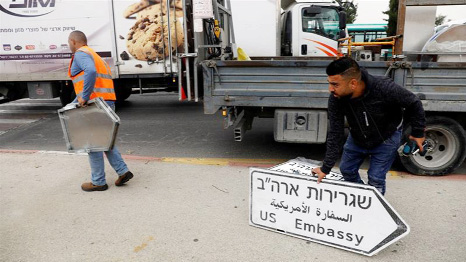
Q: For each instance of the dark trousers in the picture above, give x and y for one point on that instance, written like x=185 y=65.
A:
x=381 y=159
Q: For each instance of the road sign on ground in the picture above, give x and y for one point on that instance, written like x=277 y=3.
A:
x=303 y=166
x=350 y=216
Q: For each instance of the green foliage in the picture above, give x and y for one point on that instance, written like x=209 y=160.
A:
x=392 y=13
x=351 y=10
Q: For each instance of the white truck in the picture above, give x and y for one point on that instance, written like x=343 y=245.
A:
x=135 y=38
x=296 y=40
x=294 y=90
x=288 y=28
x=35 y=53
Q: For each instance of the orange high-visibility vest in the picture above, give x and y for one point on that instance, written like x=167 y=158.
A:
x=103 y=86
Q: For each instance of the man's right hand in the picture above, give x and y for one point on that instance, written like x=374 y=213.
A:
x=81 y=102
x=419 y=141
x=320 y=174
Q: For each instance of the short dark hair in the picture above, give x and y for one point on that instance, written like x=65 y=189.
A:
x=344 y=66
x=78 y=36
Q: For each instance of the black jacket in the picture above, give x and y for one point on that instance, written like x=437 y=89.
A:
x=373 y=117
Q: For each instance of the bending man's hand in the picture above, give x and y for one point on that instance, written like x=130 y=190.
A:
x=320 y=174
x=418 y=141
x=81 y=102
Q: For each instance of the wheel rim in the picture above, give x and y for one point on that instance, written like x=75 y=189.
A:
x=442 y=150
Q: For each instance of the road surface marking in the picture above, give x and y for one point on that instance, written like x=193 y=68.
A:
x=17 y=121
x=244 y=162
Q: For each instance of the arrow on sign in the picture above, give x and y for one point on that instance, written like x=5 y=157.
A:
x=350 y=216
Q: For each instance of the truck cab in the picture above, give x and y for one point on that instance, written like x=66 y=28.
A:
x=312 y=28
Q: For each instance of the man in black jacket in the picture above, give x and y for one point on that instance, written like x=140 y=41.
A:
x=373 y=107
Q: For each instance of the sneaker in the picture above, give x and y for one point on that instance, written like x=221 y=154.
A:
x=89 y=187
x=124 y=178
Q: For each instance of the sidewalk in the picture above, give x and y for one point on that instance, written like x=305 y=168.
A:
x=191 y=212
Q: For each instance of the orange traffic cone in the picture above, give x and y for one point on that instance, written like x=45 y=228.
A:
x=183 y=94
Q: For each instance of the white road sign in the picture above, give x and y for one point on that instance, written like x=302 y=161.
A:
x=350 y=216
x=302 y=166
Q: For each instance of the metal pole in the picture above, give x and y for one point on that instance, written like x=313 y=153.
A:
x=231 y=29
x=176 y=31
x=169 y=38
x=196 y=60
x=185 y=32
x=140 y=86
x=180 y=79
x=400 y=29
x=434 y=2
x=163 y=39
x=215 y=9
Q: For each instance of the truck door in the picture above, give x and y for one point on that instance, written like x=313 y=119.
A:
x=317 y=31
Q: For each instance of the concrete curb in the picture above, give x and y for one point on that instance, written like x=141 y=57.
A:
x=266 y=163
x=241 y=162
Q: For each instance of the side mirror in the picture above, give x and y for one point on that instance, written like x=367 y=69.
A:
x=342 y=24
x=342 y=33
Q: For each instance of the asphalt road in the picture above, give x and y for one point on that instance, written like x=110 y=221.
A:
x=158 y=125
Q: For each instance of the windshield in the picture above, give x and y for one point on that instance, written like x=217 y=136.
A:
x=325 y=24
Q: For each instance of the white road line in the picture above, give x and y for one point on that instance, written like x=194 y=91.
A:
x=38 y=100
x=28 y=111
x=31 y=105
x=17 y=121
x=61 y=153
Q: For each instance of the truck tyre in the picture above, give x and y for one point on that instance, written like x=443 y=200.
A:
x=448 y=140
x=122 y=92
x=17 y=91
x=67 y=94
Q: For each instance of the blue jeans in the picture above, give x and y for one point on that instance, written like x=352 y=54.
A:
x=96 y=159
x=381 y=159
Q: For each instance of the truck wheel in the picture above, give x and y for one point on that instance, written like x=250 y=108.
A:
x=67 y=94
x=122 y=92
x=17 y=91
x=448 y=140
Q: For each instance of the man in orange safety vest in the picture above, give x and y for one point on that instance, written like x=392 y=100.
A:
x=92 y=78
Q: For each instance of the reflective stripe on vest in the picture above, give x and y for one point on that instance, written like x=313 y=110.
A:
x=100 y=90
x=81 y=77
x=103 y=86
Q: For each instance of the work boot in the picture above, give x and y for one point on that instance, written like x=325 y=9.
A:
x=89 y=187
x=124 y=178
